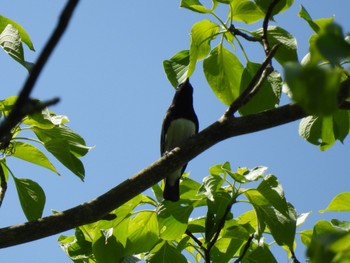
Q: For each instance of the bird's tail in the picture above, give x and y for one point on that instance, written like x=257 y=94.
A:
x=172 y=192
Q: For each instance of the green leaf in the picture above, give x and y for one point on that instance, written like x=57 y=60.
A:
x=340 y=203
x=269 y=94
x=107 y=250
x=76 y=247
x=189 y=189
x=245 y=11
x=273 y=210
x=315 y=89
x=196 y=225
x=167 y=253
x=195 y=6
x=31 y=197
x=77 y=145
x=258 y=253
x=211 y=184
x=10 y=41
x=32 y=154
x=45 y=119
x=176 y=68
x=4 y=21
x=201 y=34
x=143 y=232
x=324 y=131
x=224 y=249
x=329 y=244
x=223 y=72
x=62 y=151
x=280 y=7
x=305 y=15
x=172 y=220
x=332 y=45
x=287 y=52
x=217 y=209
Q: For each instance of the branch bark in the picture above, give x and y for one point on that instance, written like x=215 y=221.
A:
x=226 y=127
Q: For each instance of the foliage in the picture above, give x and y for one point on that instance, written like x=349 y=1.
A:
x=54 y=136
x=154 y=230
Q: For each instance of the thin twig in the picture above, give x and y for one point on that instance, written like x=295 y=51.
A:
x=20 y=109
x=237 y=32
x=246 y=247
x=267 y=18
x=3 y=185
x=294 y=258
x=199 y=243
x=259 y=77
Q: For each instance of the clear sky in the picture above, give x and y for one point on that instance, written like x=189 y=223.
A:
x=108 y=72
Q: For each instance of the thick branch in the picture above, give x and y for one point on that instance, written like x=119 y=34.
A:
x=94 y=210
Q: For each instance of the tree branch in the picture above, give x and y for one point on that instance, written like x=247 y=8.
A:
x=245 y=249
x=267 y=18
x=95 y=209
x=23 y=105
x=254 y=85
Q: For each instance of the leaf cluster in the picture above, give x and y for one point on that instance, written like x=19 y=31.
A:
x=50 y=133
x=162 y=231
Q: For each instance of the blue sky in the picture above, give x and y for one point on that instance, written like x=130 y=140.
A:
x=108 y=72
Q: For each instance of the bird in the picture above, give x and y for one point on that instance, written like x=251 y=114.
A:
x=180 y=122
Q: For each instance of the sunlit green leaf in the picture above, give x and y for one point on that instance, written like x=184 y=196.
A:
x=176 y=67
x=245 y=11
x=172 y=220
x=194 y=5
x=340 y=203
x=305 y=15
x=10 y=41
x=32 y=154
x=201 y=34
x=107 y=250
x=223 y=72
x=4 y=21
x=143 y=232
x=167 y=253
x=31 y=197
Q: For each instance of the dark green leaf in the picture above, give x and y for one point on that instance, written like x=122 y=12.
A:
x=32 y=154
x=324 y=131
x=217 y=210
x=176 y=68
x=223 y=72
x=31 y=196
x=77 y=145
x=332 y=45
x=315 y=89
x=281 y=6
x=61 y=150
x=268 y=95
x=287 y=51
